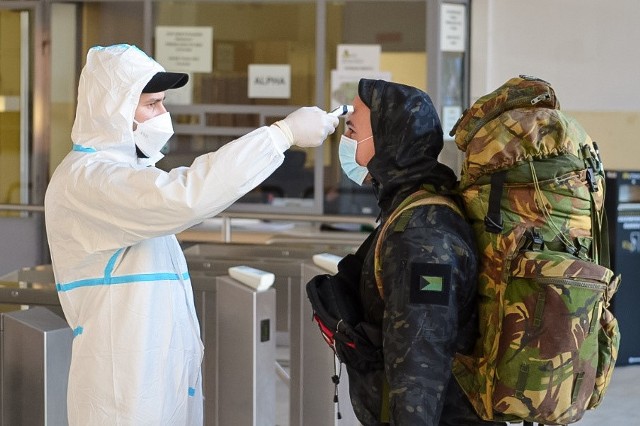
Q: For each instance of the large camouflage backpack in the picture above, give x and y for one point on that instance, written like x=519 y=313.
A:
x=533 y=188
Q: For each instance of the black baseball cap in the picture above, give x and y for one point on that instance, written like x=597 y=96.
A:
x=164 y=81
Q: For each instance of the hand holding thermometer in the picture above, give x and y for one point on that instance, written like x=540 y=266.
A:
x=342 y=110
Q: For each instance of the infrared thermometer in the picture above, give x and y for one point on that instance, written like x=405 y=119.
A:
x=342 y=110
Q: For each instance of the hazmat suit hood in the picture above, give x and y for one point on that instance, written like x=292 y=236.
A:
x=407 y=138
x=108 y=93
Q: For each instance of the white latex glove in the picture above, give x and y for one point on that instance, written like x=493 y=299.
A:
x=308 y=126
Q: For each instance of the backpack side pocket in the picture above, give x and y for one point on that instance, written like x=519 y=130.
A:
x=548 y=354
x=609 y=343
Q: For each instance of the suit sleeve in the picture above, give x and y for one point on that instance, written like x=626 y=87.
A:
x=124 y=205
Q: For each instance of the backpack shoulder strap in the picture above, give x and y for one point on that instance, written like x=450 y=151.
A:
x=418 y=198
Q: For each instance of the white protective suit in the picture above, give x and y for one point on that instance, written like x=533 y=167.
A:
x=121 y=275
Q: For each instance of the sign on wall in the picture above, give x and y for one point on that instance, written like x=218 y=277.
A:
x=344 y=84
x=354 y=61
x=450 y=116
x=452 y=27
x=269 y=81
x=358 y=57
x=184 y=49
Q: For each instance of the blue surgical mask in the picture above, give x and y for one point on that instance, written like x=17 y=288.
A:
x=347 y=153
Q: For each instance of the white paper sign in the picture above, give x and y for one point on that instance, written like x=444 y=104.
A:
x=450 y=116
x=269 y=81
x=452 y=27
x=185 y=49
x=358 y=57
x=9 y=103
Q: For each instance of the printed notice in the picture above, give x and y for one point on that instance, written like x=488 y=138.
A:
x=450 y=116
x=184 y=49
x=358 y=57
x=269 y=81
x=344 y=84
x=452 y=27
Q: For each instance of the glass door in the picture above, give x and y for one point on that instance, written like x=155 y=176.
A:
x=21 y=188
x=231 y=55
x=14 y=106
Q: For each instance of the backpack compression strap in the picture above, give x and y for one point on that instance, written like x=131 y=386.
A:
x=418 y=198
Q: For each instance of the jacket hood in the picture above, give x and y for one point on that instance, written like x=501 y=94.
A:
x=407 y=138
x=108 y=93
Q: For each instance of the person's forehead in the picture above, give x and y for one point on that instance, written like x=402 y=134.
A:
x=360 y=109
x=357 y=103
x=360 y=119
x=151 y=97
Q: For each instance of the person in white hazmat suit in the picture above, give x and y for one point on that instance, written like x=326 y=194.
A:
x=111 y=217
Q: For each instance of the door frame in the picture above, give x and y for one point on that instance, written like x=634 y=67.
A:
x=29 y=226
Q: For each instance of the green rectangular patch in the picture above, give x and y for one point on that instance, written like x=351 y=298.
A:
x=430 y=283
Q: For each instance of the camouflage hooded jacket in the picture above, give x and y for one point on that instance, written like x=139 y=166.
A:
x=422 y=327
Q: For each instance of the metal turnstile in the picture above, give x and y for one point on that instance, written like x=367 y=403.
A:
x=237 y=328
x=32 y=286
x=246 y=354
x=35 y=350
x=282 y=260
x=35 y=354
x=291 y=300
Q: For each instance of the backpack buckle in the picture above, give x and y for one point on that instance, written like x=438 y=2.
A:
x=591 y=180
x=492 y=226
x=533 y=240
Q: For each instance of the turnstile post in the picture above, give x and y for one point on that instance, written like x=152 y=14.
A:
x=246 y=354
x=35 y=351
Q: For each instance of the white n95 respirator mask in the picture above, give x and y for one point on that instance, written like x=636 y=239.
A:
x=152 y=135
x=347 y=153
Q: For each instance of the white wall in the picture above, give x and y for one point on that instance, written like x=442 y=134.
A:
x=587 y=49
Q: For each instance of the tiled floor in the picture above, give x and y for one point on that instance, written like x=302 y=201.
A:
x=620 y=407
